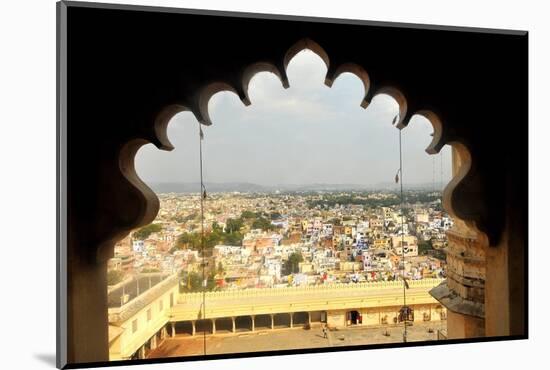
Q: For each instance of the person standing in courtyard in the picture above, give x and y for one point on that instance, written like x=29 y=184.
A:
x=325 y=332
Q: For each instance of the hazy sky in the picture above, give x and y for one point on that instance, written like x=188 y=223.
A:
x=308 y=133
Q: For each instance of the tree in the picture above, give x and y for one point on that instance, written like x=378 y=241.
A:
x=189 y=241
x=262 y=223
x=192 y=282
x=235 y=238
x=216 y=226
x=220 y=268
x=232 y=225
x=212 y=239
x=424 y=247
x=145 y=231
x=292 y=265
x=216 y=236
x=248 y=215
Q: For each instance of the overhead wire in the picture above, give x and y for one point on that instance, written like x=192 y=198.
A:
x=202 y=196
x=404 y=312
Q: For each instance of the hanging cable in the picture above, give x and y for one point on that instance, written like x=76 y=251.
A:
x=403 y=239
x=405 y=311
x=202 y=197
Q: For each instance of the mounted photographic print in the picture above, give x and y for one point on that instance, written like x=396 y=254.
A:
x=234 y=184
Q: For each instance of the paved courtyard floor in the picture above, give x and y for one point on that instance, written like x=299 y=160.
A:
x=296 y=338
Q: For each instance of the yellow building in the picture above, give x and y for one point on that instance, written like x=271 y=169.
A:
x=382 y=243
x=140 y=324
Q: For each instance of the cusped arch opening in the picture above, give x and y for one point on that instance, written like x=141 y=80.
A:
x=436 y=144
x=259 y=67
x=161 y=125
x=401 y=101
x=182 y=124
x=462 y=163
x=206 y=93
x=304 y=44
x=357 y=71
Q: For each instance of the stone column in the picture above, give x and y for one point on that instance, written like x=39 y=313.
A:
x=141 y=353
x=213 y=326
x=153 y=341
x=233 y=329
x=173 y=329
x=272 y=322
x=291 y=320
x=309 y=318
x=252 y=320
x=87 y=335
x=163 y=333
x=505 y=292
x=193 y=328
x=463 y=292
x=465 y=281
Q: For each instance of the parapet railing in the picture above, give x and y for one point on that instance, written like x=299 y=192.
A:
x=132 y=306
x=299 y=290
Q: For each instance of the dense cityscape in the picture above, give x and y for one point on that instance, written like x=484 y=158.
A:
x=281 y=239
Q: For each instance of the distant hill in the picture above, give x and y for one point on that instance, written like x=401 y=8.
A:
x=245 y=187
x=194 y=187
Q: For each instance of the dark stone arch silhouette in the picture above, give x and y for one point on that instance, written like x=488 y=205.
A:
x=130 y=70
